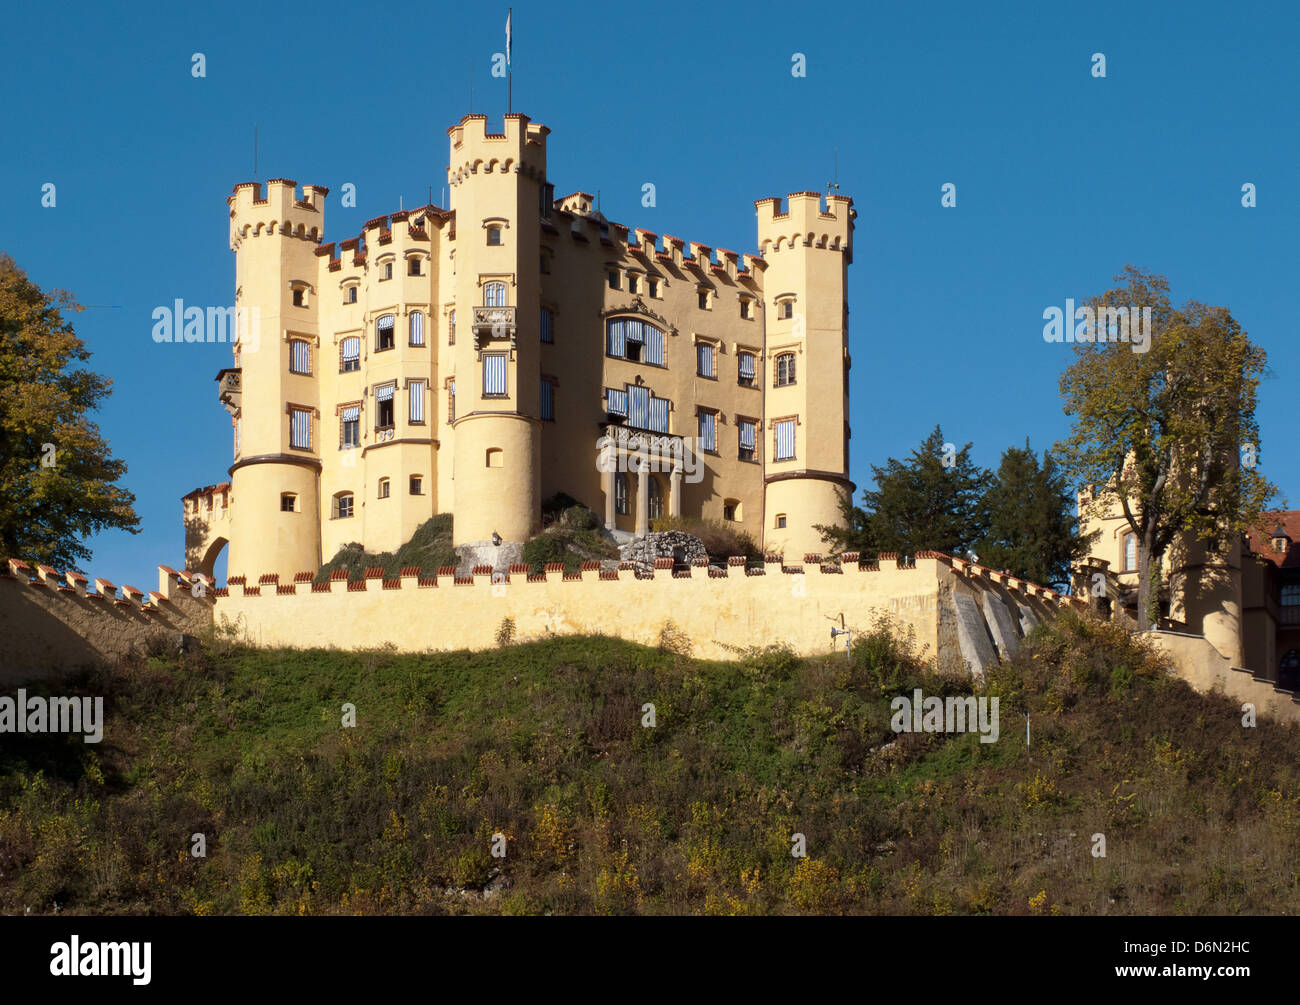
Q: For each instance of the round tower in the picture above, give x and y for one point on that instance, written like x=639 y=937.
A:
x=1205 y=594
x=495 y=183
x=275 y=510
x=808 y=250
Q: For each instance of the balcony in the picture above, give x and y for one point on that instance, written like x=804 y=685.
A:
x=493 y=323
x=229 y=382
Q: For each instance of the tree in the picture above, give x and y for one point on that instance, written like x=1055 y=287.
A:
x=57 y=474
x=929 y=502
x=1033 y=532
x=1165 y=424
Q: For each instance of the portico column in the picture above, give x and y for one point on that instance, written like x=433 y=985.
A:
x=608 y=462
x=675 y=491
x=642 y=493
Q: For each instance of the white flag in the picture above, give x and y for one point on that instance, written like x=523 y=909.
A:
x=508 y=13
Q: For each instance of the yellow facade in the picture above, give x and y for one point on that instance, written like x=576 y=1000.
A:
x=512 y=346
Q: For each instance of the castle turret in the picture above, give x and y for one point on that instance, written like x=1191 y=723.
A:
x=806 y=459
x=275 y=510
x=495 y=180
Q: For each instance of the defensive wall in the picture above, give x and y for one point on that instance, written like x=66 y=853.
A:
x=52 y=624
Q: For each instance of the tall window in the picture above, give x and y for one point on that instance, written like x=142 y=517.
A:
x=744 y=309
x=413 y=266
x=350 y=295
x=1130 y=552
x=494 y=375
x=451 y=400
x=350 y=354
x=785 y=310
x=417 y=328
x=616 y=402
x=746 y=429
x=384 y=406
x=299 y=356
x=384 y=329
x=415 y=392
x=612 y=278
x=451 y=328
x=784 y=440
x=383 y=488
x=703 y=299
x=548 y=400
x=342 y=507
x=638 y=341
x=652 y=288
x=1290 y=612
x=620 y=494
x=708 y=431
x=388 y=270
x=350 y=427
x=745 y=369
x=494 y=295
x=704 y=360
x=631 y=284
x=548 y=334
x=494 y=236
x=785 y=369
x=300 y=428
x=654 y=498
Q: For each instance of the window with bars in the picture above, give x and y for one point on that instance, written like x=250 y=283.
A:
x=631 y=339
x=747 y=439
x=708 y=431
x=704 y=360
x=494 y=375
x=350 y=427
x=384 y=329
x=746 y=370
x=494 y=295
x=783 y=435
x=416 y=321
x=300 y=356
x=350 y=354
x=300 y=428
x=548 y=400
x=785 y=369
x=415 y=392
x=548 y=332
x=384 y=406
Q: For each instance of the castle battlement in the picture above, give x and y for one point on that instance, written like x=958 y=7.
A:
x=520 y=148
x=279 y=211
x=805 y=223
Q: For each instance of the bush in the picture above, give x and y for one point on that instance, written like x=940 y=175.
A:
x=429 y=547
x=721 y=540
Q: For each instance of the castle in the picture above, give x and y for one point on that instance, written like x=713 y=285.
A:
x=479 y=359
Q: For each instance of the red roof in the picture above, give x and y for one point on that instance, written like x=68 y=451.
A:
x=1261 y=538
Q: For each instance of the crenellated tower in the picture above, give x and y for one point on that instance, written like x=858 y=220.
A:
x=808 y=249
x=495 y=184
x=274 y=401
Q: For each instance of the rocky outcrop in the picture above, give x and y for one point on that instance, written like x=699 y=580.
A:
x=682 y=548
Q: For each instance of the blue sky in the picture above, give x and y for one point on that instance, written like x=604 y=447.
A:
x=1061 y=178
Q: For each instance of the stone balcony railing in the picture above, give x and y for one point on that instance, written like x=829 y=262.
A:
x=229 y=383
x=494 y=323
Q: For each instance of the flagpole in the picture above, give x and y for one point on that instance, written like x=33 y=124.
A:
x=510 y=11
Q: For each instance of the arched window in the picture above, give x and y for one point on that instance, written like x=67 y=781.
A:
x=654 y=498
x=785 y=369
x=494 y=295
x=621 y=494
x=1130 y=552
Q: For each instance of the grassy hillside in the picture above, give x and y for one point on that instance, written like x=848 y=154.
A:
x=543 y=742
